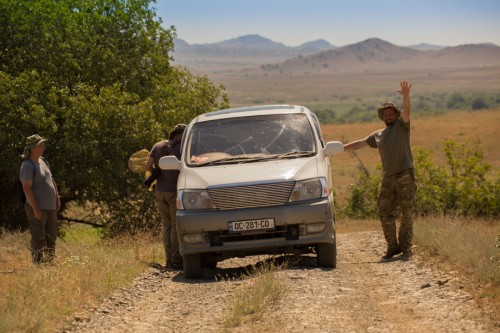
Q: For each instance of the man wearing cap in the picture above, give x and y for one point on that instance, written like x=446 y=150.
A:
x=42 y=199
x=166 y=193
x=398 y=186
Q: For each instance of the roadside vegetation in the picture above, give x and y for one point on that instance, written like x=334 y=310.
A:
x=88 y=268
x=348 y=110
x=472 y=244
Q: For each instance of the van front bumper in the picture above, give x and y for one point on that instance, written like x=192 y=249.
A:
x=298 y=226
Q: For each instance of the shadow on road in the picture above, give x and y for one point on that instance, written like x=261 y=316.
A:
x=282 y=262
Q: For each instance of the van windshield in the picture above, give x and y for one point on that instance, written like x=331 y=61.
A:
x=250 y=139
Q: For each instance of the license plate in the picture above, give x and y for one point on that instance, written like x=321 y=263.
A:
x=260 y=224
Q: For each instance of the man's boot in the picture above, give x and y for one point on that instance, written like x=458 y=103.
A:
x=389 y=228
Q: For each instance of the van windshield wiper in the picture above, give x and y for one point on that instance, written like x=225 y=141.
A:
x=240 y=159
x=292 y=154
x=235 y=160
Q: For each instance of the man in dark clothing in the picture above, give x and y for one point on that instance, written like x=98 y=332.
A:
x=166 y=193
x=398 y=186
x=42 y=200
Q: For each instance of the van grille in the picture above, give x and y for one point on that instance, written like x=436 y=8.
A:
x=260 y=195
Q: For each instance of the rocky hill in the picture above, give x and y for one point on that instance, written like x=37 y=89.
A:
x=255 y=52
x=375 y=54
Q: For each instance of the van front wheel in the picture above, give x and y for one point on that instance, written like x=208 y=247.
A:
x=193 y=268
x=327 y=255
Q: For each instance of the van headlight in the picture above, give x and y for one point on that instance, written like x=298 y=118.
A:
x=194 y=199
x=309 y=189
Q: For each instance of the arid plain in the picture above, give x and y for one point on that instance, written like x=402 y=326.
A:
x=253 y=86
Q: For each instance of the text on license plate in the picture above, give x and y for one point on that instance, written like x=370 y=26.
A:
x=250 y=225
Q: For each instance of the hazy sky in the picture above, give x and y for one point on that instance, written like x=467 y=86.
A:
x=293 y=22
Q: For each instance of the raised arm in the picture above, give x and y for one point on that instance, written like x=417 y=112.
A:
x=405 y=91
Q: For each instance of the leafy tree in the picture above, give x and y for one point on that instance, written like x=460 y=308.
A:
x=99 y=42
x=94 y=78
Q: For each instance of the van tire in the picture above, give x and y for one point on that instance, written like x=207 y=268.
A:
x=209 y=261
x=193 y=268
x=327 y=254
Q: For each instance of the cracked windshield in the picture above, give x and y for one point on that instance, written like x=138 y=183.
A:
x=250 y=139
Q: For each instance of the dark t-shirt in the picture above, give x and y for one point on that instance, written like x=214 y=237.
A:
x=393 y=143
x=167 y=181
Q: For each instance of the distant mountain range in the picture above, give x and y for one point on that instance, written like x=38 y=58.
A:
x=255 y=45
x=255 y=51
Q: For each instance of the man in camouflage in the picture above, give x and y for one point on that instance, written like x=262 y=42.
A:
x=398 y=186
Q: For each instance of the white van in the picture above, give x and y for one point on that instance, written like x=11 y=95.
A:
x=254 y=180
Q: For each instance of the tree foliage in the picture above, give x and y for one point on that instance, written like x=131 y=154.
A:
x=461 y=187
x=94 y=77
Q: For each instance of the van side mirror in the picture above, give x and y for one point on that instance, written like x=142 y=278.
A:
x=333 y=148
x=169 y=163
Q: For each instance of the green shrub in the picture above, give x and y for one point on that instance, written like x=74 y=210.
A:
x=363 y=200
x=456 y=101
x=468 y=190
x=479 y=103
x=461 y=187
x=431 y=183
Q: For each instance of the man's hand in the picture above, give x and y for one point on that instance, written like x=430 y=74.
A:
x=38 y=213
x=405 y=88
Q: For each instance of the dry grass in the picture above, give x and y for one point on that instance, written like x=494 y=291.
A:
x=87 y=269
x=469 y=246
x=257 y=299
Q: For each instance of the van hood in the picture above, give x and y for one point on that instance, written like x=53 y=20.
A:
x=256 y=172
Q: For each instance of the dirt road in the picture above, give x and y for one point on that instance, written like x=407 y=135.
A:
x=362 y=294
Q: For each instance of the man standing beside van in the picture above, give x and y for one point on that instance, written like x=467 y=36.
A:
x=42 y=200
x=166 y=193
x=398 y=186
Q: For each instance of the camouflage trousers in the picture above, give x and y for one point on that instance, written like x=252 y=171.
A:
x=397 y=195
